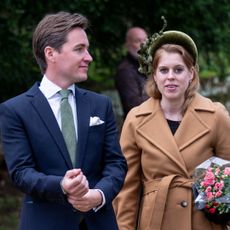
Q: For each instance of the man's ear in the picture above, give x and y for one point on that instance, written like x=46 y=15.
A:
x=49 y=53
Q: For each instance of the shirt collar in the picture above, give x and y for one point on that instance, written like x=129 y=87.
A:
x=49 y=89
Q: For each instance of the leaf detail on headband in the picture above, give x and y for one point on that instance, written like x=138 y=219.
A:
x=145 y=52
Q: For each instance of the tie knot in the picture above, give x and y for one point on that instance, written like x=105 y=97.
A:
x=64 y=93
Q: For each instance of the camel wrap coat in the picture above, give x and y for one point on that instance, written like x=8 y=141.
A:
x=157 y=193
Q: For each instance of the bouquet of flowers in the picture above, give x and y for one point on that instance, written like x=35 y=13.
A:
x=212 y=189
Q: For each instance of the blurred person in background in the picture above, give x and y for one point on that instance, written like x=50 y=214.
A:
x=128 y=80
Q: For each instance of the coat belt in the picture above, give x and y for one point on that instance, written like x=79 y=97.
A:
x=162 y=186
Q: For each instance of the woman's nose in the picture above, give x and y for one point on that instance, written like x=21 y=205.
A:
x=171 y=74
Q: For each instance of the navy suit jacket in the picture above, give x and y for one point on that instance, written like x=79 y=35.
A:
x=37 y=159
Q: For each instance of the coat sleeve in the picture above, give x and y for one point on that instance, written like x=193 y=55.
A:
x=114 y=163
x=126 y=204
x=222 y=147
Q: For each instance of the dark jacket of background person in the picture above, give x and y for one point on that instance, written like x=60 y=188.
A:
x=128 y=80
x=130 y=83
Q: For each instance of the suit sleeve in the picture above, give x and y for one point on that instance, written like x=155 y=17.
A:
x=20 y=162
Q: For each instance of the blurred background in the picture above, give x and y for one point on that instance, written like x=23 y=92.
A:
x=206 y=21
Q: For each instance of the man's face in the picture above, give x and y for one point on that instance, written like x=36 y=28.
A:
x=135 y=37
x=72 y=62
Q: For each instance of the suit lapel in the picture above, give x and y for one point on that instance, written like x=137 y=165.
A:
x=83 y=118
x=42 y=107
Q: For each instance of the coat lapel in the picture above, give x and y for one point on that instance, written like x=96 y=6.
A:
x=193 y=126
x=159 y=134
x=83 y=118
x=42 y=107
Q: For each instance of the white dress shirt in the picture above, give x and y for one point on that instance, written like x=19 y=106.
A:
x=50 y=91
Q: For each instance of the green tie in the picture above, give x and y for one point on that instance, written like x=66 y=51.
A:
x=67 y=124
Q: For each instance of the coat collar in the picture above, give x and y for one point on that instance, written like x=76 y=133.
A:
x=193 y=122
x=155 y=129
x=198 y=103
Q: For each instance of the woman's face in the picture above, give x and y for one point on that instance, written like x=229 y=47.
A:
x=172 y=76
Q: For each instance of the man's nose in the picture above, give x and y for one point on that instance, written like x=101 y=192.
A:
x=88 y=56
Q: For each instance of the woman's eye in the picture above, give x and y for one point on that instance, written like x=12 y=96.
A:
x=178 y=70
x=163 y=70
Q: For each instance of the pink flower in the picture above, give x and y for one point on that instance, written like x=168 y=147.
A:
x=219 y=185
x=207 y=183
x=209 y=195
x=227 y=171
x=218 y=193
x=217 y=171
x=209 y=169
x=209 y=178
x=208 y=189
x=209 y=175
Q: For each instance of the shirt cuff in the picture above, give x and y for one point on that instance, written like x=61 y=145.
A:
x=103 y=201
x=64 y=192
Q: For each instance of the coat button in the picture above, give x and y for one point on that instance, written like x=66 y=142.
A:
x=184 y=204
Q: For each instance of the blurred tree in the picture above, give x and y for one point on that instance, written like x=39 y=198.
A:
x=207 y=21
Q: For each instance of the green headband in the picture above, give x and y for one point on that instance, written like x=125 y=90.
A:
x=148 y=49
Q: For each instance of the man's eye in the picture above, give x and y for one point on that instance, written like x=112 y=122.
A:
x=79 y=49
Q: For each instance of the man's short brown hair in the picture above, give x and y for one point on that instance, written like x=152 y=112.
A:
x=52 y=31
